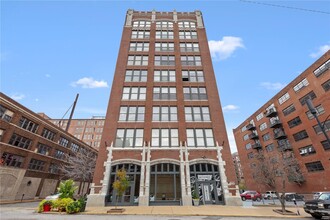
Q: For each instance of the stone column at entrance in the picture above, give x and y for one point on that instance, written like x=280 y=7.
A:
x=185 y=177
x=145 y=177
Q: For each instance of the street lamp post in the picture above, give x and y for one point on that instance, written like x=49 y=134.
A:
x=314 y=113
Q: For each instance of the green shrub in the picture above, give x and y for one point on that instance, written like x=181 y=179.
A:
x=67 y=189
x=73 y=207
x=82 y=203
x=61 y=204
x=42 y=203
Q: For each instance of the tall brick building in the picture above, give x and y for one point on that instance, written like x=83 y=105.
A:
x=285 y=124
x=164 y=122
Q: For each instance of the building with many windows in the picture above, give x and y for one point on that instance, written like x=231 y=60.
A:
x=285 y=124
x=238 y=167
x=164 y=123
x=32 y=150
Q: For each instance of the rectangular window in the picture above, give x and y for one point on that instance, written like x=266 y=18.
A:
x=141 y=24
x=134 y=93
x=36 y=165
x=300 y=135
x=326 y=145
x=63 y=142
x=263 y=126
x=250 y=155
x=243 y=129
x=164 y=60
x=197 y=113
x=246 y=137
x=54 y=168
x=164 y=24
x=136 y=76
x=194 y=93
x=326 y=127
x=270 y=147
x=283 y=98
x=191 y=61
x=129 y=138
x=12 y=160
x=322 y=69
x=5 y=114
x=260 y=116
x=294 y=122
x=314 y=166
x=248 y=146
x=59 y=154
x=266 y=137
x=141 y=34
x=289 y=110
x=43 y=149
x=139 y=46
x=304 y=151
x=188 y=35
x=164 y=93
x=326 y=85
x=164 y=35
x=20 y=141
x=302 y=84
x=74 y=147
x=193 y=75
x=319 y=111
x=137 y=60
x=131 y=113
x=165 y=138
x=28 y=124
x=164 y=113
x=310 y=95
x=164 y=47
x=187 y=24
x=48 y=134
x=189 y=47
x=164 y=75
x=200 y=138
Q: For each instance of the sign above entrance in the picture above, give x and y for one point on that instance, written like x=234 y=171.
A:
x=204 y=177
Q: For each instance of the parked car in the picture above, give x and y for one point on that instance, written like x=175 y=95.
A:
x=251 y=194
x=319 y=207
x=53 y=197
x=317 y=194
x=270 y=195
x=289 y=197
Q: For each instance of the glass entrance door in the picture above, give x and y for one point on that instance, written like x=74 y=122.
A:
x=206 y=190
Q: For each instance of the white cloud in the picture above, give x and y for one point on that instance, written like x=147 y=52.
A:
x=230 y=108
x=223 y=49
x=89 y=83
x=47 y=75
x=18 y=96
x=273 y=86
x=321 y=50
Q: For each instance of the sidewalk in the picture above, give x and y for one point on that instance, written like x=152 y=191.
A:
x=205 y=210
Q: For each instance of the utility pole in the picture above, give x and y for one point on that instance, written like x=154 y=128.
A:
x=71 y=114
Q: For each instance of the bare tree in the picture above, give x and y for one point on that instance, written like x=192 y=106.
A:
x=275 y=172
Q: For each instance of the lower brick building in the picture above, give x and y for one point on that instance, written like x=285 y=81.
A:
x=31 y=151
x=285 y=124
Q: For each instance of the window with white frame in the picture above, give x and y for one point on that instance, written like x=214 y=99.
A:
x=28 y=124
x=139 y=46
x=193 y=75
x=191 y=61
x=36 y=165
x=164 y=60
x=50 y=135
x=200 y=137
x=283 y=98
x=63 y=142
x=164 y=113
x=164 y=93
x=134 y=93
x=263 y=126
x=322 y=69
x=189 y=47
x=302 y=84
x=43 y=149
x=6 y=114
x=248 y=146
x=311 y=95
x=74 y=147
x=326 y=86
x=131 y=113
x=165 y=137
x=164 y=35
x=129 y=138
x=59 y=154
x=197 y=113
x=141 y=34
x=186 y=24
x=194 y=93
x=136 y=75
x=137 y=60
x=164 y=47
x=164 y=75
x=188 y=35
x=308 y=150
x=164 y=24
x=141 y=24
x=260 y=116
x=246 y=137
x=319 y=111
x=243 y=128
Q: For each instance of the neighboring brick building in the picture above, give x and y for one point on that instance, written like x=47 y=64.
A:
x=285 y=123
x=32 y=149
x=164 y=122
x=238 y=167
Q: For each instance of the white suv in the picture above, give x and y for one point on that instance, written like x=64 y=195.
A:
x=270 y=195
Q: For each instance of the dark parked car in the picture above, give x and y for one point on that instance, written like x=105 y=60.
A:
x=251 y=194
x=319 y=207
x=289 y=197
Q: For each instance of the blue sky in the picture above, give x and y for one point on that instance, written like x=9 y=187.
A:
x=52 y=50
